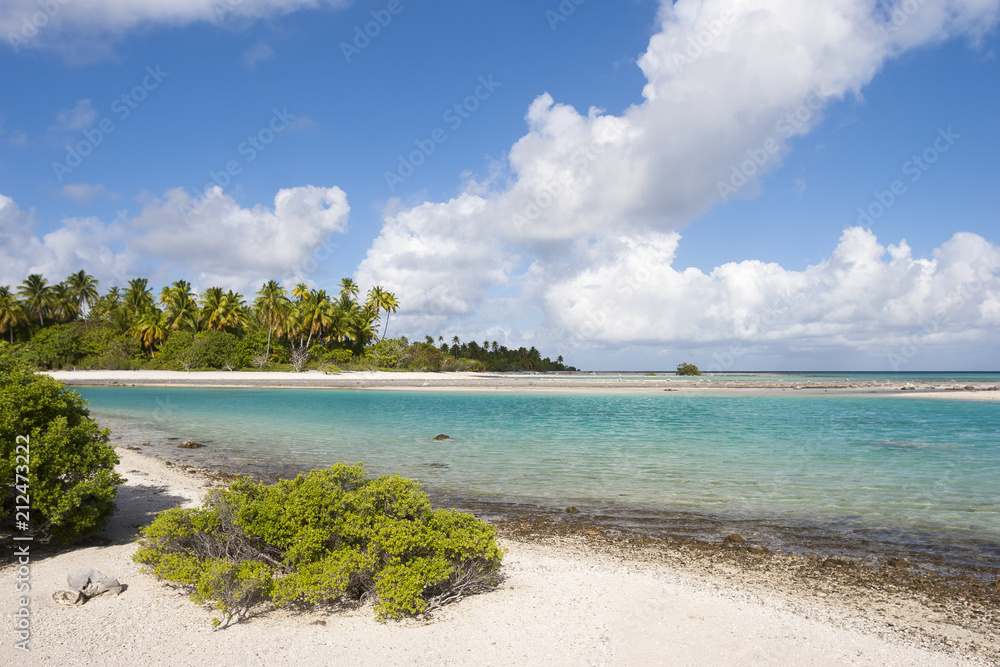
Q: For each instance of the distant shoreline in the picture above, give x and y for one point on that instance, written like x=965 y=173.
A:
x=524 y=382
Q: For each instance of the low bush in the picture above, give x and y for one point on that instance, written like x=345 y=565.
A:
x=326 y=537
x=67 y=474
x=56 y=346
x=687 y=369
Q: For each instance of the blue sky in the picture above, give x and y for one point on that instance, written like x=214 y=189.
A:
x=584 y=202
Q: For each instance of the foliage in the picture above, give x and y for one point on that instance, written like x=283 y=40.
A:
x=687 y=369
x=340 y=357
x=173 y=354
x=213 y=349
x=56 y=346
x=106 y=348
x=70 y=478
x=71 y=324
x=386 y=353
x=326 y=537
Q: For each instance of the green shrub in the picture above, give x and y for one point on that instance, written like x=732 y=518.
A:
x=213 y=349
x=103 y=347
x=173 y=354
x=325 y=537
x=386 y=353
x=339 y=357
x=56 y=346
x=687 y=369
x=70 y=477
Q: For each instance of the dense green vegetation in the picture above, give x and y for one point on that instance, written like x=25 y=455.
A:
x=326 y=537
x=71 y=324
x=61 y=482
x=687 y=369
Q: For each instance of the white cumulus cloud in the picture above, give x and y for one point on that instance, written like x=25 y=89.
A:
x=211 y=240
x=75 y=26
x=593 y=196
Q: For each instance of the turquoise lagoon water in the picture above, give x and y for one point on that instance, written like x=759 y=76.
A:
x=785 y=376
x=905 y=471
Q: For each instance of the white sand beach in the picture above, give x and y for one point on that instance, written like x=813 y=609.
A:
x=534 y=382
x=561 y=603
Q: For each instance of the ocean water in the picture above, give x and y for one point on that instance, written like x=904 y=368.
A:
x=904 y=472
x=942 y=377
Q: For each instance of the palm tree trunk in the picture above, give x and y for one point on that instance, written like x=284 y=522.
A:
x=268 y=352
x=386 y=329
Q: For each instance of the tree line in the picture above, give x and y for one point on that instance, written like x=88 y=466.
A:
x=72 y=324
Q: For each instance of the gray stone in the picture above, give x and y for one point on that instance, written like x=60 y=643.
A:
x=91 y=582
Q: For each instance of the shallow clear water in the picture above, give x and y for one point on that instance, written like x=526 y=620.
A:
x=943 y=377
x=919 y=469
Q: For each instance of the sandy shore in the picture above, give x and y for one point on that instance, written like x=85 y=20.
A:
x=565 y=600
x=535 y=382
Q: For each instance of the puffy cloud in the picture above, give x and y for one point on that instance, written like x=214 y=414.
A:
x=865 y=296
x=63 y=24
x=211 y=240
x=435 y=261
x=729 y=86
x=218 y=241
x=79 y=243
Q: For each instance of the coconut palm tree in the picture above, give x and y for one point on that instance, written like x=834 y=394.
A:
x=349 y=288
x=11 y=312
x=317 y=314
x=272 y=308
x=300 y=292
x=236 y=312
x=36 y=295
x=63 y=308
x=83 y=290
x=152 y=329
x=104 y=305
x=214 y=309
x=382 y=299
x=138 y=297
x=180 y=309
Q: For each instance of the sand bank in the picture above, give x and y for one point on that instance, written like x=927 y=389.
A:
x=534 y=382
x=564 y=601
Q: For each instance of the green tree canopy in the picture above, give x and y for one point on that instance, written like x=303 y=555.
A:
x=64 y=463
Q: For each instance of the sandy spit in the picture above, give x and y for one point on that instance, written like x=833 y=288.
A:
x=558 y=605
x=519 y=382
